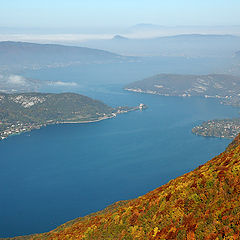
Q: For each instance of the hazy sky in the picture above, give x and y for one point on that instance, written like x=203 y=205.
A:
x=116 y=13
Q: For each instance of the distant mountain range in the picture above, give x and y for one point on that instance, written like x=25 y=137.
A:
x=193 y=37
x=189 y=45
x=162 y=30
x=20 y=55
x=201 y=204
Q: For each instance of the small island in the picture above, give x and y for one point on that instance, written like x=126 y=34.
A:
x=22 y=112
x=223 y=128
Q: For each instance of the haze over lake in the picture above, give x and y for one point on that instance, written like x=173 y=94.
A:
x=61 y=172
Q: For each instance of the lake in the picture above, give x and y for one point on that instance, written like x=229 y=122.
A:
x=60 y=172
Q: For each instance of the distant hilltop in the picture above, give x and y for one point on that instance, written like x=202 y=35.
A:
x=119 y=37
x=165 y=42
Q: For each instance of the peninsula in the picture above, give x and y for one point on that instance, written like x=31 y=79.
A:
x=226 y=88
x=27 y=111
x=223 y=128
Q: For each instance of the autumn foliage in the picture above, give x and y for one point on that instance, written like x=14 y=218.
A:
x=202 y=204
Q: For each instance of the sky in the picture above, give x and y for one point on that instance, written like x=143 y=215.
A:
x=100 y=14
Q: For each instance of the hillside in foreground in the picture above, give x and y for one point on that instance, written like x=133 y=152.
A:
x=202 y=204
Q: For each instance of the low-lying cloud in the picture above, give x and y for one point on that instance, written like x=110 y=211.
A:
x=16 y=80
x=13 y=79
x=138 y=31
x=54 y=38
x=15 y=83
x=63 y=84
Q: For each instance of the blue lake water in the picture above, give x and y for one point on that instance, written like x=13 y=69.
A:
x=61 y=172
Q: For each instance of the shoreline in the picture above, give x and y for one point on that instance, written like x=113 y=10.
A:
x=54 y=123
x=28 y=128
x=221 y=99
x=90 y=121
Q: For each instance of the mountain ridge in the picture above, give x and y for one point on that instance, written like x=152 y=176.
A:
x=175 y=44
x=25 y=55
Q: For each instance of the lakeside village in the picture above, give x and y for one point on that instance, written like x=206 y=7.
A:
x=9 y=129
x=226 y=128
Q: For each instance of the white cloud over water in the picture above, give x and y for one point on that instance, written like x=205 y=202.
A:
x=137 y=31
x=13 y=79
x=53 y=38
x=16 y=80
x=63 y=84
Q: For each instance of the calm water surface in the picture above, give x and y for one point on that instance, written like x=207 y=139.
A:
x=61 y=172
